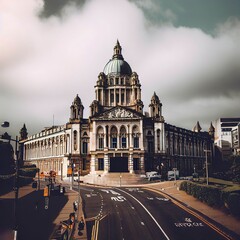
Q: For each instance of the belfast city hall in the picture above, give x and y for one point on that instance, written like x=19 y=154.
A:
x=118 y=136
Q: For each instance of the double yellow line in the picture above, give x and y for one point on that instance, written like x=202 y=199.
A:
x=95 y=228
x=94 y=235
x=193 y=213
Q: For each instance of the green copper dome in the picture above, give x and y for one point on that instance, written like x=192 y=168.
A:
x=117 y=65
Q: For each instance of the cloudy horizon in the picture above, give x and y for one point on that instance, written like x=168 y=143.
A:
x=50 y=51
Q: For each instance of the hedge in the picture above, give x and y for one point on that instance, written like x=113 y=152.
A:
x=205 y=193
x=214 y=196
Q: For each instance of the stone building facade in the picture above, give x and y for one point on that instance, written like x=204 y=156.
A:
x=118 y=136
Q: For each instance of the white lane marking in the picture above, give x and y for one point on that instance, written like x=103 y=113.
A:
x=147 y=212
x=105 y=190
x=114 y=193
x=118 y=198
x=135 y=190
x=132 y=189
x=110 y=191
x=149 y=198
x=162 y=199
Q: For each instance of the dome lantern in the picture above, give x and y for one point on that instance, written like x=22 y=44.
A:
x=117 y=65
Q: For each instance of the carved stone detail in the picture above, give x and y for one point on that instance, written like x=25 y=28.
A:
x=118 y=113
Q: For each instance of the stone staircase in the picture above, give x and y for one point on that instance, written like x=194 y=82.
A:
x=114 y=179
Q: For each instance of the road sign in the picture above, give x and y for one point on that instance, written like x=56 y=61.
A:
x=45 y=192
x=46 y=202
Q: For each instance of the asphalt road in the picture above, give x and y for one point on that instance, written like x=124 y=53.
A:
x=135 y=213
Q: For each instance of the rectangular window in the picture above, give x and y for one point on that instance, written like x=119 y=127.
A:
x=117 y=98
x=136 y=164
x=100 y=143
x=85 y=148
x=114 y=142
x=150 y=146
x=100 y=164
x=135 y=142
x=124 y=142
x=122 y=98
x=111 y=99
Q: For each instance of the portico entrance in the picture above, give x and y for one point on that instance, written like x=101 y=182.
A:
x=118 y=164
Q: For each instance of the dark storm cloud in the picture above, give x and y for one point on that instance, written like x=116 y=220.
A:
x=53 y=50
x=54 y=7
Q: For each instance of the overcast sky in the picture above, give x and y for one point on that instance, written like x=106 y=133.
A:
x=187 y=51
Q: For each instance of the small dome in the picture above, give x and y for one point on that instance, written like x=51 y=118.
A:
x=77 y=100
x=117 y=65
x=155 y=98
x=197 y=127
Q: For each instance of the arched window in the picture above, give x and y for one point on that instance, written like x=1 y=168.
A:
x=135 y=134
x=123 y=137
x=75 y=140
x=84 y=147
x=113 y=137
x=158 y=139
x=100 y=138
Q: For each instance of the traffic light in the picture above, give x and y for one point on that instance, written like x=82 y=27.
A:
x=45 y=192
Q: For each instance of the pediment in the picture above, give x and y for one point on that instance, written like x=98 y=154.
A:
x=118 y=113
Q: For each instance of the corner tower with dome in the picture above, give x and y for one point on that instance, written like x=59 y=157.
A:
x=118 y=137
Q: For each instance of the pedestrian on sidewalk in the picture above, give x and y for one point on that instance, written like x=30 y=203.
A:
x=81 y=224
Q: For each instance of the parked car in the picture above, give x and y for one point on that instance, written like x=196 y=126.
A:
x=154 y=177
x=148 y=174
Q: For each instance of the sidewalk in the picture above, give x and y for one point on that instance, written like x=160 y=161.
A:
x=220 y=217
x=67 y=209
x=59 y=210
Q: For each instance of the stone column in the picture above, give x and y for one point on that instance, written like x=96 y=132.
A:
x=92 y=164
x=106 y=163
x=142 y=167
x=130 y=163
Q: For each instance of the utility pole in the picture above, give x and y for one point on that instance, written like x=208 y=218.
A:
x=16 y=192
x=206 y=163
